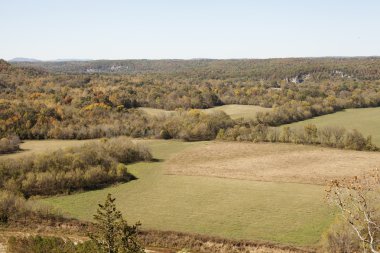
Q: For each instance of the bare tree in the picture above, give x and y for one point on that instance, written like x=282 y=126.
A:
x=358 y=199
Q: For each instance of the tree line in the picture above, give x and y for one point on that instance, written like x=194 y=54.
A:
x=192 y=125
x=330 y=136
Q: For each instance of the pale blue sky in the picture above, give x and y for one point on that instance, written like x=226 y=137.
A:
x=115 y=29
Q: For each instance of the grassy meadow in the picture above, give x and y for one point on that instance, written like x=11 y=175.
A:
x=287 y=213
x=365 y=120
x=234 y=111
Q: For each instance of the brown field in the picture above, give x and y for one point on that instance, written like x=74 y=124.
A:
x=234 y=111
x=29 y=147
x=271 y=162
x=41 y=146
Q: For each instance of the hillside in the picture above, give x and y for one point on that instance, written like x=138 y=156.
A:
x=12 y=76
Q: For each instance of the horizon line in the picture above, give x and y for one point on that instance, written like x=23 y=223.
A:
x=19 y=59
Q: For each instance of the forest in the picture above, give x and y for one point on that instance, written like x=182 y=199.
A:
x=39 y=102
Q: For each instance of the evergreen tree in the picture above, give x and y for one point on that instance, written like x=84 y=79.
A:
x=112 y=233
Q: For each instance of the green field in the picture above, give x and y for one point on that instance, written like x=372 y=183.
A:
x=365 y=120
x=234 y=111
x=288 y=213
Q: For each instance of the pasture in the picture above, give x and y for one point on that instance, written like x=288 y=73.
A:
x=253 y=191
x=273 y=162
x=234 y=111
x=286 y=213
x=365 y=120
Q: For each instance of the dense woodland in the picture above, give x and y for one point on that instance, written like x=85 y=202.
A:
x=82 y=100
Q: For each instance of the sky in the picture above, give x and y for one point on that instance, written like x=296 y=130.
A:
x=179 y=29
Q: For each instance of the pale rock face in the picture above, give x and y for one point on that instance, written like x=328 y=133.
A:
x=341 y=74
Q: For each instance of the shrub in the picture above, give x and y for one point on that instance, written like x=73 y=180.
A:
x=39 y=244
x=9 y=144
x=91 y=166
x=340 y=238
x=311 y=133
x=355 y=140
x=14 y=207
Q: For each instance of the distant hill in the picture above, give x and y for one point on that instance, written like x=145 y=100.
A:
x=12 y=76
x=70 y=60
x=20 y=59
x=293 y=70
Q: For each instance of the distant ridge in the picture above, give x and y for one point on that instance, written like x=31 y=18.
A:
x=20 y=59
x=69 y=60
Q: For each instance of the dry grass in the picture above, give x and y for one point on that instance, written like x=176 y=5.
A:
x=156 y=241
x=234 y=111
x=156 y=112
x=239 y=111
x=271 y=162
x=208 y=244
x=41 y=146
x=29 y=147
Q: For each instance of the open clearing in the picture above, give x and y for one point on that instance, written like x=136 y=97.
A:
x=234 y=111
x=239 y=111
x=40 y=146
x=287 y=213
x=156 y=112
x=365 y=120
x=271 y=162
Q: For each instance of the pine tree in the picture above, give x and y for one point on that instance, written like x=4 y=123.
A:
x=112 y=234
x=129 y=239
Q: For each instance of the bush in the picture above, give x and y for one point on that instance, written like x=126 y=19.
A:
x=9 y=144
x=340 y=238
x=91 y=166
x=355 y=140
x=39 y=244
x=14 y=207
x=193 y=125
